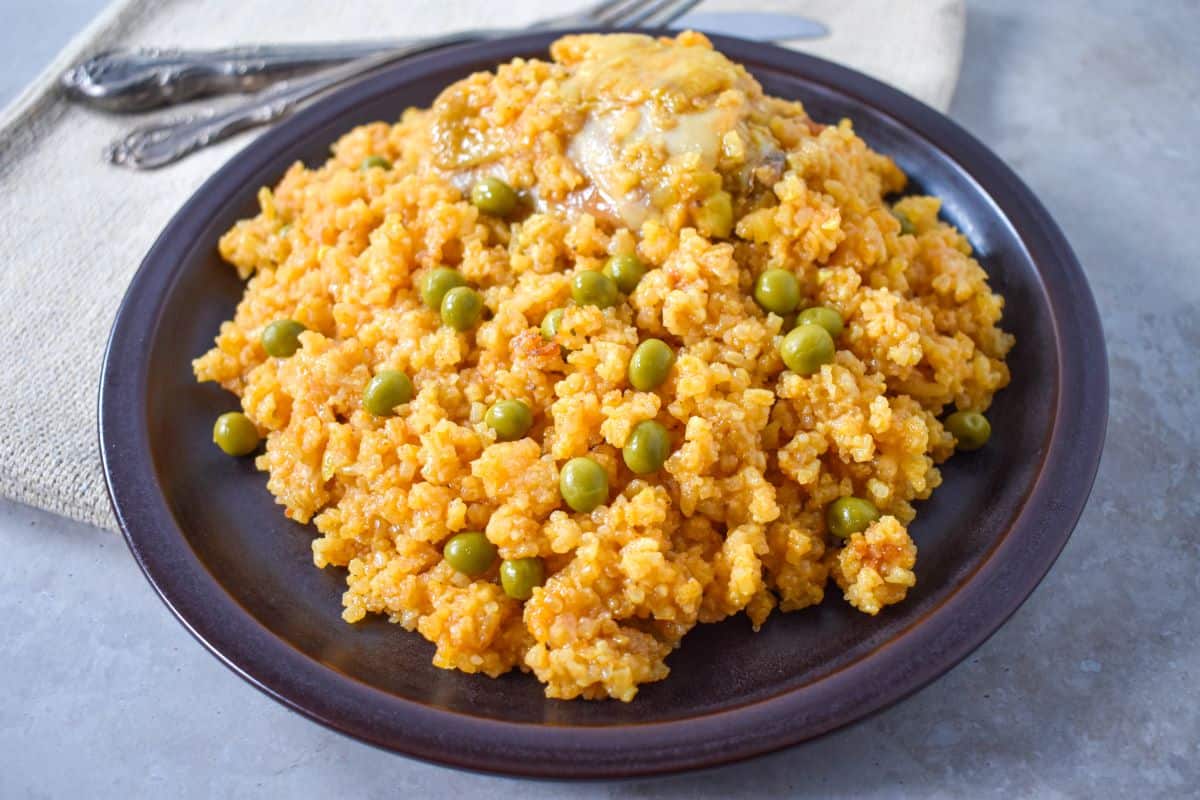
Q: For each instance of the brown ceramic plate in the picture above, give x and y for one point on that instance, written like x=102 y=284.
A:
x=239 y=575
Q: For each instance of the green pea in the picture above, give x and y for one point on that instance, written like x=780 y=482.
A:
x=806 y=348
x=235 y=434
x=970 y=429
x=281 y=339
x=777 y=290
x=648 y=447
x=906 y=226
x=824 y=316
x=370 y=162
x=510 y=419
x=462 y=307
x=388 y=389
x=591 y=288
x=519 y=576
x=714 y=218
x=650 y=365
x=583 y=484
x=437 y=282
x=626 y=270
x=848 y=515
x=551 y=323
x=470 y=553
x=494 y=196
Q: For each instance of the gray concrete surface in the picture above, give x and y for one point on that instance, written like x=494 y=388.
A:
x=1089 y=691
x=31 y=34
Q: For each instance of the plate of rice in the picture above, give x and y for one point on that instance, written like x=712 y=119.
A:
x=603 y=404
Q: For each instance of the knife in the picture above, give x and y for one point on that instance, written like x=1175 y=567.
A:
x=762 y=26
x=140 y=80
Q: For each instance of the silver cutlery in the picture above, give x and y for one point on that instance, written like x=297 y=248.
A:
x=141 y=80
x=159 y=144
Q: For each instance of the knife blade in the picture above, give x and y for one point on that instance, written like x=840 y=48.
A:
x=763 y=26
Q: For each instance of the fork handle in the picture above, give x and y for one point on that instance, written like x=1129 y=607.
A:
x=139 y=80
x=157 y=145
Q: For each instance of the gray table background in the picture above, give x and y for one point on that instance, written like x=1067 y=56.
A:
x=1089 y=691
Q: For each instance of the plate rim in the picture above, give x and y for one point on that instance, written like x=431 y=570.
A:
x=545 y=750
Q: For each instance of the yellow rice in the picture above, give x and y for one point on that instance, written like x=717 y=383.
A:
x=735 y=520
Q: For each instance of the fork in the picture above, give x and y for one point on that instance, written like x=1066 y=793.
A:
x=156 y=145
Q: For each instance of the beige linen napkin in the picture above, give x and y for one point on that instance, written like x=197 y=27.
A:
x=74 y=229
